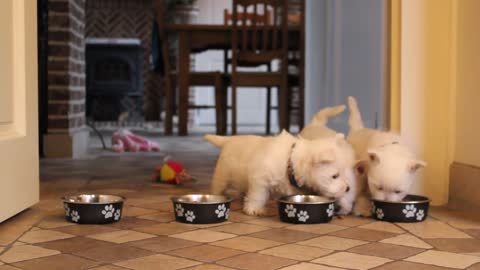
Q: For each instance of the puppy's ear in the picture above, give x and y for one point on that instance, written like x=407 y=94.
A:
x=361 y=168
x=414 y=165
x=373 y=157
x=323 y=158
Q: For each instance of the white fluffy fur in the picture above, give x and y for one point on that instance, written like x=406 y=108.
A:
x=257 y=167
x=386 y=159
x=317 y=128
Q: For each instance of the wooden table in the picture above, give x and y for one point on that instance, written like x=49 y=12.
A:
x=195 y=38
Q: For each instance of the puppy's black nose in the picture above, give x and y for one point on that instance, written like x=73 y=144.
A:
x=348 y=189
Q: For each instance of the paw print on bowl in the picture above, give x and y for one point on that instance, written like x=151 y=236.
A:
x=75 y=216
x=303 y=216
x=108 y=211
x=190 y=216
x=379 y=213
x=409 y=210
x=67 y=209
x=179 y=210
x=420 y=214
x=330 y=210
x=290 y=210
x=220 y=211
x=117 y=214
x=227 y=214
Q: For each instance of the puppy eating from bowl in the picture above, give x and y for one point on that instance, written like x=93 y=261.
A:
x=263 y=167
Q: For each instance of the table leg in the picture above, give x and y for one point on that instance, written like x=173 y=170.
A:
x=183 y=69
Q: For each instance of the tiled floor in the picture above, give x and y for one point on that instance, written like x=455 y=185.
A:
x=148 y=238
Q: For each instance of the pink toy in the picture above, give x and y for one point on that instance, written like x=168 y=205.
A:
x=124 y=140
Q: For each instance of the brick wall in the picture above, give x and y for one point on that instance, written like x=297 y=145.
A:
x=66 y=66
x=128 y=19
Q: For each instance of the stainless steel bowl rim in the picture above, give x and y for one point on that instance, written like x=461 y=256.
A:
x=424 y=200
x=285 y=200
x=178 y=199
x=114 y=199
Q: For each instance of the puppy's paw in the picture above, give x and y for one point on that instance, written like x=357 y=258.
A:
x=252 y=211
x=362 y=210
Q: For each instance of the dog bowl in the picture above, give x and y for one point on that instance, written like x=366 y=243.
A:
x=305 y=209
x=413 y=208
x=93 y=208
x=201 y=209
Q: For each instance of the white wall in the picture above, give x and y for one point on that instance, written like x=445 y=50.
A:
x=345 y=55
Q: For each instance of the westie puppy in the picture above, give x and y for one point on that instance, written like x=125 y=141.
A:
x=388 y=163
x=282 y=165
x=317 y=128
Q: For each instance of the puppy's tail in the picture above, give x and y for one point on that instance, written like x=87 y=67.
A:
x=355 y=120
x=323 y=115
x=218 y=141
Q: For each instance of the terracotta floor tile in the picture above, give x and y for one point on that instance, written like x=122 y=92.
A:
x=111 y=253
x=26 y=252
x=389 y=251
x=121 y=236
x=473 y=267
x=433 y=229
x=445 y=259
x=402 y=265
x=407 y=240
x=132 y=211
x=272 y=222
x=205 y=253
x=157 y=262
x=238 y=216
x=9 y=232
x=83 y=229
x=255 y=261
x=316 y=228
x=108 y=267
x=332 y=242
x=52 y=222
x=162 y=244
x=57 y=262
x=159 y=217
x=473 y=232
x=127 y=223
x=245 y=243
x=363 y=234
x=309 y=266
x=8 y=267
x=158 y=206
x=284 y=235
x=73 y=244
x=382 y=226
x=297 y=252
x=352 y=261
x=203 y=236
x=165 y=228
x=350 y=221
x=240 y=228
x=209 y=267
x=456 y=245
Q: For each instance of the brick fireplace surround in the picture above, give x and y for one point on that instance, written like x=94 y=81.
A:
x=70 y=22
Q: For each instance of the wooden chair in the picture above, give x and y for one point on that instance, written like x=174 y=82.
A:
x=250 y=18
x=215 y=79
x=260 y=42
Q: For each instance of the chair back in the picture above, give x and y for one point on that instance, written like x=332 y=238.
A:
x=255 y=40
x=250 y=17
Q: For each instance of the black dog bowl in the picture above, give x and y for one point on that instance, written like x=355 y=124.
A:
x=305 y=209
x=201 y=209
x=412 y=208
x=93 y=208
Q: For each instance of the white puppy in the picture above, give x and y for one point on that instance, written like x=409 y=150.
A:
x=317 y=128
x=280 y=165
x=387 y=162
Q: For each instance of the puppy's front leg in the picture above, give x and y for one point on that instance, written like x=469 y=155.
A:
x=256 y=200
x=346 y=206
x=363 y=207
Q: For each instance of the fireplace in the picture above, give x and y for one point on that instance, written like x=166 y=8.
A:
x=114 y=79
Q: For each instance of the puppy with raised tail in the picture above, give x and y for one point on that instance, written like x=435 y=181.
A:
x=387 y=161
x=261 y=167
x=317 y=128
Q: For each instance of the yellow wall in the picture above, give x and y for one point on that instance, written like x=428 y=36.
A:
x=425 y=96
x=467 y=145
